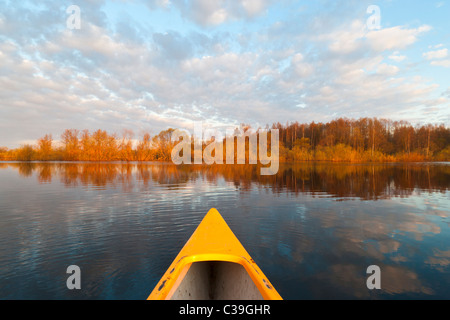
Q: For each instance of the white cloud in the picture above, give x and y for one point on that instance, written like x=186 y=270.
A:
x=254 y=7
x=207 y=12
x=395 y=38
x=98 y=78
x=441 y=63
x=397 y=57
x=356 y=37
x=440 y=45
x=164 y=3
x=387 y=70
x=300 y=67
x=438 y=54
x=345 y=41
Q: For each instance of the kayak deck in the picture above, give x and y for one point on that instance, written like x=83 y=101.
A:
x=213 y=264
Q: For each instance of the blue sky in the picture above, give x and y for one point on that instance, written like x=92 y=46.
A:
x=150 y=65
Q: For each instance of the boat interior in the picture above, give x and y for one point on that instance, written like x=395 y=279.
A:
x=216 y=280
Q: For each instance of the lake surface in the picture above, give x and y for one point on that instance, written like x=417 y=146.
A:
x=313 y=228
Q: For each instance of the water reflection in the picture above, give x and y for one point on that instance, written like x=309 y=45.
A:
x=367 y=182
x=313 y=228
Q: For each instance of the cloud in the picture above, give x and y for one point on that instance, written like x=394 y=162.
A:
x=395 y=38
x=300 y=67
x=440 y=260
x=441 y=63
x=440 y=45
x=345 y=40
x=438 y=54
x=356 y=37
x=397 y=57
x=173 y=45
x=387 y=70
x=124 y=74
x=395 y=280
x=211 y=13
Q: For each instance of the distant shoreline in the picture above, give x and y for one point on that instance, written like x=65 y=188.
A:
x=341 y=140
x=224 y=164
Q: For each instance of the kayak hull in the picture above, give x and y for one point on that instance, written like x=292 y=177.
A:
x=213 y=264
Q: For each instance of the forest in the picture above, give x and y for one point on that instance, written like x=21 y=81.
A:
x=340 y=140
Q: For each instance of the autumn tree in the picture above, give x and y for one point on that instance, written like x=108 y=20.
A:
x=4 y=153
x=163 y=145
x=72 y=145
x=87 y=148
x=25 y=153
x=144 y=150
x=126 y=152
x=104 y=146
x=44 y=151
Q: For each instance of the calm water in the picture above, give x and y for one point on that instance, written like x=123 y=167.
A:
x=313 y=229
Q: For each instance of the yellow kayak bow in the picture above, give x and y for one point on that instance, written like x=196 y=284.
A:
x=213 y=265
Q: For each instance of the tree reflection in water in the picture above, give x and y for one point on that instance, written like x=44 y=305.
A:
x=343 y=181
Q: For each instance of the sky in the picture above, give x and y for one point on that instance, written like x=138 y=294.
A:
x=146 y=66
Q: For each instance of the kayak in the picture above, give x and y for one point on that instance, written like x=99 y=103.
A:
x=213 y=265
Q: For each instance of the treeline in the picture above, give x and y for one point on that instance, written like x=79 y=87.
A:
x=363 y=140
x=76 y=145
